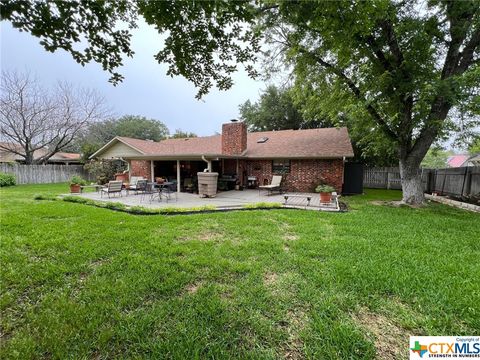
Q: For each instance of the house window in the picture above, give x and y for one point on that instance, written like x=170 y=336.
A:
x=281 y=166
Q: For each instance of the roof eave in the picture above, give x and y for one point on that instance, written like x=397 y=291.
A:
x=198 y=156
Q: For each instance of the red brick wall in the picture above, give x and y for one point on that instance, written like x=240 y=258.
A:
x=234 y=138
x=141 y=168
x=304 y=175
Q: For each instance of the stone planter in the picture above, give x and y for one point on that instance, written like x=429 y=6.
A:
x=207 y=184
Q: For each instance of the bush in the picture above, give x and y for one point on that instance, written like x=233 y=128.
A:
x=324 y=189
x=105 y=170
x=77 y=180
x=50 y=197
x=7 y=179
x=263 y=205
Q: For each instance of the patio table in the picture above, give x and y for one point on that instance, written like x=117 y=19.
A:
x=308 y=197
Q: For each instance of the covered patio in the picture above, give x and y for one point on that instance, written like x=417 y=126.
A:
x=223 y=200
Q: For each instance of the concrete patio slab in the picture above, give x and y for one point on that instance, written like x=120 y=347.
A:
x=223 y=200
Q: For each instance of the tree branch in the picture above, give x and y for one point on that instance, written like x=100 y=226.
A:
x=392 y=42
x=356 y=91
x=468 y=52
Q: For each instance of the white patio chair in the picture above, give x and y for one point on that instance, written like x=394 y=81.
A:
x=275 y=185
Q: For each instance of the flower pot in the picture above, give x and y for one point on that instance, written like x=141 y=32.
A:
x=325 y=197
x=75 y=188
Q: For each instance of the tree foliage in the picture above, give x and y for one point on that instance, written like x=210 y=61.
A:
x=205 y=40
x=180 y=134
x=474 y=147
x=105 y=170
x=436 y=158
x=276 y=110
x=99 y=133
x=69 y=25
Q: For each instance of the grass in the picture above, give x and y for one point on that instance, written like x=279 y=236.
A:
x=84 y=282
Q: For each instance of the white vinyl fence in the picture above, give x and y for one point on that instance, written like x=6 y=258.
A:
x=44 y=174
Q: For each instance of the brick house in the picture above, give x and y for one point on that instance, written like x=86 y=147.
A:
x=304 y=158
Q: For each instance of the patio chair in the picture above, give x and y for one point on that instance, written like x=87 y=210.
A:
x=139 y=186
x=134 y=180
x=113 y=187
x=167 y=192
x=275 y=185
x=151 y=191
x=188 y=185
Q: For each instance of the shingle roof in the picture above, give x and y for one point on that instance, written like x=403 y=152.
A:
x=65 y=156
x=309 y=143
x=8 y=156
x=457 y=160
x=207 y=145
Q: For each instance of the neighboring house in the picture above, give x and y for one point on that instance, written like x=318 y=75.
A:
x=305 y=158
x=457 y=160
x=473 y=160
x=57 y=158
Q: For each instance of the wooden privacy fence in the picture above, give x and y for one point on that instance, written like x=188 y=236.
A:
x=42 y=174
x=382 y=178
x=462 y=181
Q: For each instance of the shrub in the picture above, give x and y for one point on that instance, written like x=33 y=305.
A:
x=104 y=170
x=50 y=197
x=77 y=180
x=263 y=205
x=324 y=189
x=7 y=179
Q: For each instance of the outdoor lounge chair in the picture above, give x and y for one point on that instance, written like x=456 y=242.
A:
x=113 y=187
x=275 y=185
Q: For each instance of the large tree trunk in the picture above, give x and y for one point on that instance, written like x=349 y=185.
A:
x=29 y=157
x=411 y=178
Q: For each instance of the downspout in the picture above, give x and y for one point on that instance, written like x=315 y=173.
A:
x=209 y=164
x=128 y=167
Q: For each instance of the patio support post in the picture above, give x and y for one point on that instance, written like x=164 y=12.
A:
x=178 y=176
x=152 y=175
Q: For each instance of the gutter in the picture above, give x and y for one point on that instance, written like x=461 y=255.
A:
x=209 y=163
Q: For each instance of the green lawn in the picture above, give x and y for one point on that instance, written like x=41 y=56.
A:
x=84 y=282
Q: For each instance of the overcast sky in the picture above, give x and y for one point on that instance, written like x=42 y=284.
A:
x=146 y=90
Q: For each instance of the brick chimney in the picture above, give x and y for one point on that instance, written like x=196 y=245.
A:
x=234 y=138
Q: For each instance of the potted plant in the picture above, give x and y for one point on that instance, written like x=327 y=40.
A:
x=325 y=192
x=75 y=183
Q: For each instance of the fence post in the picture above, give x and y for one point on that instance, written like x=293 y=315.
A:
x=443 y=183
x=388 y=178
x=464 y=179
x=468 y=181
